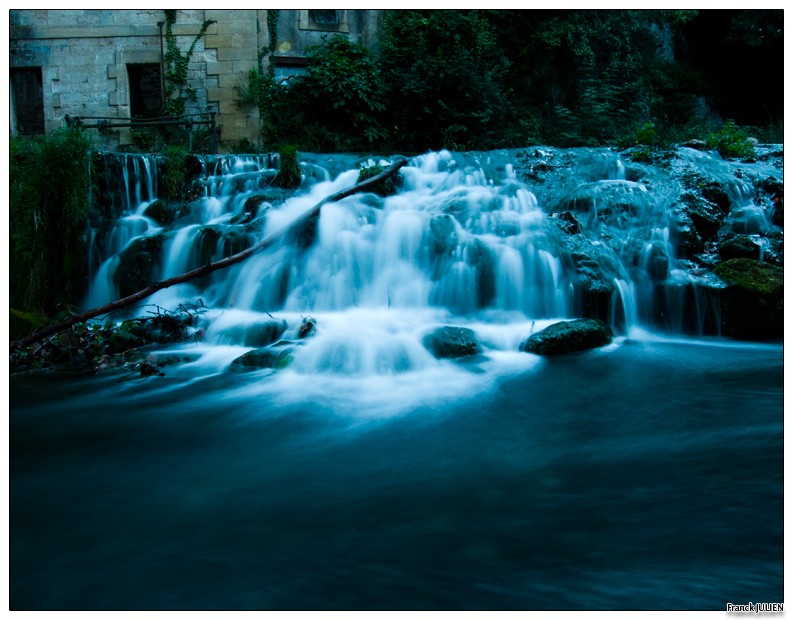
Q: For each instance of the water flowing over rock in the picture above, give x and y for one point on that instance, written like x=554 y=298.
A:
x=452 y=342
x=568 y=337
x=483 y=241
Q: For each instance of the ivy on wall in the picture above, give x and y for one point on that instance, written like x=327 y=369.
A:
x=177 y=93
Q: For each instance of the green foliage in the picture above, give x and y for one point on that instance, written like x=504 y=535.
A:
x=646 y=135
x=272 y=28
x=50 y=181
x=479 y=79
x=389 y=187
x=289 y=176
x=731 y=141
x=444 y=73
x=335 y=106
x=174 y=171
x=176 y=90
x=25 y=323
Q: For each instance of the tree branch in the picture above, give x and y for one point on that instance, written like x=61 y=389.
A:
x=209 y=267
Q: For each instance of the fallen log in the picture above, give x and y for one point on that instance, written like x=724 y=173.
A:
x=209 y=267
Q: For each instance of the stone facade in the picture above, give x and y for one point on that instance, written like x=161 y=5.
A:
x=84 y=63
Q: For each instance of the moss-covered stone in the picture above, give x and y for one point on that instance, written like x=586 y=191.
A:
x=138 y=264
x=388 y=187
x=289 y=173
x=256 y=335
x=24 y=323
x=452 y=342
x=739 y=246
x=752 y=302
x=263 y=358
x=162 y=212
x=568 y=337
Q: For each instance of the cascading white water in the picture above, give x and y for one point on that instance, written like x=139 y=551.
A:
x=464 y=243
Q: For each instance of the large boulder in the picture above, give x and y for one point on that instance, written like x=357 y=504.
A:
x=568 y=337
x=452 y=342
x=752 y=302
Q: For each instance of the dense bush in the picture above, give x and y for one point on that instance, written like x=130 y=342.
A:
x=335 y=106
x=49 y=193
x=480 y=79
x=445 y=73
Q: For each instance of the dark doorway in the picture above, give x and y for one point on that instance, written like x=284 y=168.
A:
x=27 y=101
x=145 y=90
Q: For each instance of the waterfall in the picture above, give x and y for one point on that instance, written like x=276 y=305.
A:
x=463 y=242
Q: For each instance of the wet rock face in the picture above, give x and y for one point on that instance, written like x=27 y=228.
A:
x=738 y=246
x=262 y=358
x=138 y=265
x=568 y=337
x=452 y=342
x=752 y=302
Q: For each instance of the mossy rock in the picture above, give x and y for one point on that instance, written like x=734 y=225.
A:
x=162 y=212
x=452 y=342
x=256 y=335
x=289 y=172
x=752 y=302
x=139 y=265
x=387 y=187
x=25 y=323
x=568 y=337
x=263 y=358
x=739 y=246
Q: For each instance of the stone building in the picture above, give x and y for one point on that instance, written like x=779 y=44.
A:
x=96 y=64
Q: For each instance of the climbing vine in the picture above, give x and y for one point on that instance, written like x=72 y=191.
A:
x=177 y=93
x=272 y=29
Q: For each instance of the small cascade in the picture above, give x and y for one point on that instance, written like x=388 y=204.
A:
x=464 y=241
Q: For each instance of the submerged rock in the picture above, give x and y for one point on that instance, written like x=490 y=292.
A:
x=254 y=335
x=452 y=342
x=752 y=302
x=568 y=337
x=263 y=358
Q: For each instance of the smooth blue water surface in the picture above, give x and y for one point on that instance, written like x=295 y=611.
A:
x=645 y=476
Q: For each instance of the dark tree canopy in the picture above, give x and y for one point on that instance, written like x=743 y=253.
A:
x=479 y=79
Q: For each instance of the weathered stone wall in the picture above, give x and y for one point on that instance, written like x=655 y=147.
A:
x=83 y=55
x=232 y=50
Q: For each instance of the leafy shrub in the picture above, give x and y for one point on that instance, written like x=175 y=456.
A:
x=174 y=171
x=335 y=106
x=289 y=176
x=50 y=181
x=444 y=73
x=731 y=141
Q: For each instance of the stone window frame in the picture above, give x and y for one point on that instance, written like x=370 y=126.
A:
x=341 y=25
